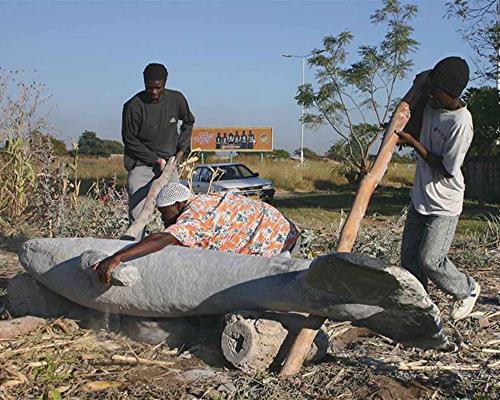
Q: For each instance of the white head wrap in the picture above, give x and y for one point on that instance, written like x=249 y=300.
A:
x=173 y=193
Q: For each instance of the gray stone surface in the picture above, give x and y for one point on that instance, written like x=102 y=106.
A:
x=174 y=332
x=123 y=275
x=26 y=296
x=180 y=281
x=407 y=312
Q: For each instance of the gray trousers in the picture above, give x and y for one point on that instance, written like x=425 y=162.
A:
x=138 y=183
x=426 y=241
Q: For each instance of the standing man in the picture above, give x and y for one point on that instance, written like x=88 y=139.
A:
x=438 y=190
x=251 y=140
x=243 y=140
x=151 y=135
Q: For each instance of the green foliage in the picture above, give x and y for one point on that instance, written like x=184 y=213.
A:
x=280 y=153
x=363 y=90
x=18 y=177
x=484 y=106
x=91 y=145
x=113 y=146
x=337 y=151
x=58 y=147
x=481 y=31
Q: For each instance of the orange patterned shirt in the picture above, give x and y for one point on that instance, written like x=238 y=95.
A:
x=234 y=223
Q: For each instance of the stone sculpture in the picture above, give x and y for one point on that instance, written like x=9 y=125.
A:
x=178 y=282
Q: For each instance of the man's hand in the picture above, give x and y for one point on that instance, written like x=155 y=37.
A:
x=105 y=267
x=178 y=157
x=405 y=138
x=161 y=163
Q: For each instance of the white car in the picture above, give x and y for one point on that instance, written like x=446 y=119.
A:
x=234 y=177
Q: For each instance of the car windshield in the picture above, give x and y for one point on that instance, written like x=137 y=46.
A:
x=236 y=171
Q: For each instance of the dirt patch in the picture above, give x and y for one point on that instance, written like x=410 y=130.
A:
x=60 y=358
x=386 y=388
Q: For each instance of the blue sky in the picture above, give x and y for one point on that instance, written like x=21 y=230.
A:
x=224 y=56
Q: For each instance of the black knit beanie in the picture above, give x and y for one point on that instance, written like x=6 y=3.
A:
x=155 y=72
x=451 y=75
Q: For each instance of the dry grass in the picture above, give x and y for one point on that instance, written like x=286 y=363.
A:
x=290 y=176
x=63 y=361
x=100 y=168
x=399 y=175
x=287 y=175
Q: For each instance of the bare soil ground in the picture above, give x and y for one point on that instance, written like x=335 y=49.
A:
x=64 y=361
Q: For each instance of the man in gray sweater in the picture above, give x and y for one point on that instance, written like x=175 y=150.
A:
x=151 y=133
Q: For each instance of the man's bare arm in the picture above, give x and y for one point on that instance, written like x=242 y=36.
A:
x=151 y=244
x=435 y=161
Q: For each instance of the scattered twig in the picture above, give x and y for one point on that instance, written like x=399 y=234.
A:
x=138 y=360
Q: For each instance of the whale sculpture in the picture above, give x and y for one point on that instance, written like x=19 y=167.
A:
x=179 y=281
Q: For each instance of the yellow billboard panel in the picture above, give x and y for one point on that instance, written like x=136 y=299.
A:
x=234 y=138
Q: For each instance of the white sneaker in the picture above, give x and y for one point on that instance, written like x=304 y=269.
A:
x=462 y=308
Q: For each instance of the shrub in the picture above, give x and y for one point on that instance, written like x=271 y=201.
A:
x=91 y=145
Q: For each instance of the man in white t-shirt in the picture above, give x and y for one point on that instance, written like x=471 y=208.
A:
x=438 y=190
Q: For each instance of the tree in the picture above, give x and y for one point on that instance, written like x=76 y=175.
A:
x=363 y=90
x=481 y=30
x=484 y=106
x=113 y=146
x=58 y=147
x=337 y=151
x=280 y=153
x=341 y=150
x=91 y=145
x=308 y=154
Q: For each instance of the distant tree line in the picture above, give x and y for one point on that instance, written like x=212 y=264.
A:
x=90 y=144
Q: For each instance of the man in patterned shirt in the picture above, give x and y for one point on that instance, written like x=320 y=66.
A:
x=225 y=222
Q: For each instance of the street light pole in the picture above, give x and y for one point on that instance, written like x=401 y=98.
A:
x=302 y=114
x=304 y=58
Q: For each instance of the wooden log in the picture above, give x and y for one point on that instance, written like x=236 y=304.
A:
x=251 y=341
x=134 y=231
x=19 y=326
x=399 y=119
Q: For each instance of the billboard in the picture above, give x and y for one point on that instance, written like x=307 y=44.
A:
x=233 y=138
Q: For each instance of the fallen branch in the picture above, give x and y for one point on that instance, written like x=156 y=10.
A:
x=456 y=367
x=494 y=351
x=10 y=353
x=138 y=360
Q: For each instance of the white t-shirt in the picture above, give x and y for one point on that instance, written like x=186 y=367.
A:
x=447 y=134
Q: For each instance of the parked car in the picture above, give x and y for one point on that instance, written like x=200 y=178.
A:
x=235 y=177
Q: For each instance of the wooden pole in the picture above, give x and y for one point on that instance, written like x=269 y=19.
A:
x=398 y=121
x=134 y=231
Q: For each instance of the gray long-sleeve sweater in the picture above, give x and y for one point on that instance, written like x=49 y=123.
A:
x=150 y=130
